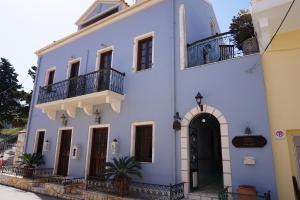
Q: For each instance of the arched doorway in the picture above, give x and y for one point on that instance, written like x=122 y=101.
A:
x=206 y=170
x=185 y=147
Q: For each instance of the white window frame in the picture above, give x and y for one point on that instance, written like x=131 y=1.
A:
x=101 y=51
x=58 y=141
x=135 y=50
x=47 y=75
x=36 y=139
x=133 y=136
x=70 y=62
x=89 y=146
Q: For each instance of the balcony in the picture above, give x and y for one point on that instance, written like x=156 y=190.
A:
x=85 y=91
x=217 y=48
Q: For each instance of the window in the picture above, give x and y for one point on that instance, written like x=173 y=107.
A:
x=144 y=54
x=40 y=142
x=143 y=151
x=105 y=60
x=49 y=78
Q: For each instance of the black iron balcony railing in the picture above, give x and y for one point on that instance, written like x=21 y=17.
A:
x=217 y=48
x=104 y=79
x=139 y=190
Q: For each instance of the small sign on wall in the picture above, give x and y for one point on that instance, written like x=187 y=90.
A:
x=280 y=135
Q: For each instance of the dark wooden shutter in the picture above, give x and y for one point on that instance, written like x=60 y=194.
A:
x=105 y=60
x=51 y=77
x=64 y=153
x=40 y=142
x=143 y=143
x=74 y=69
x=74 y=82
x=144 y=60
x=98 y=152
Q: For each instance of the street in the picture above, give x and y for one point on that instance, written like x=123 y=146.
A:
x=9 y=193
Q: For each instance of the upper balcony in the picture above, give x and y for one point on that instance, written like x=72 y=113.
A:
x=85 y=91
x=217 y=48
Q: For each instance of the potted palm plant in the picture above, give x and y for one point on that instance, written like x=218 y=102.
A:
x=29 y=162
x=120 y=171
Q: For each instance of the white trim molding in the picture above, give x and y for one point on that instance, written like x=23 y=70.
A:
x=72 y=61
x=47 y=75
x=133 y=134
x=101 y=51
x=185 y=163
x=89 y=146
x=182 y=37
x=136 y=45
x=99 y=25
x=97 y=3
x=36 y=139
x=57 y=150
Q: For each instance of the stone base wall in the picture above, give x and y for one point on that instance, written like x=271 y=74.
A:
x=20 y=146
x=21 y=183
x=89 y=195
x=70 y=192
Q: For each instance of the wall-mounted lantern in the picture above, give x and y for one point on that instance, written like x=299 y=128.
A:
x=248 y=131
x=76 y=152
x=177 y=123
x=97 y=116
x=64 y=120
x=46 y=146
x=115 y=147
x=199 y=98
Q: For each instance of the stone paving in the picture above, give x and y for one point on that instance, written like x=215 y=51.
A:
x=9 y=193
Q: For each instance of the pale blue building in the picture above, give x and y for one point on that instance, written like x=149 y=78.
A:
x=120 y=79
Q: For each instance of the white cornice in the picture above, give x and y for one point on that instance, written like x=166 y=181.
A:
x=98 y=25
x=94 y=6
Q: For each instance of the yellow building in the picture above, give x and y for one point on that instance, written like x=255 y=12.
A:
x=281 y=64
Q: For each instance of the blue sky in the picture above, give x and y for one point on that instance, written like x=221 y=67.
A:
x=29 y=25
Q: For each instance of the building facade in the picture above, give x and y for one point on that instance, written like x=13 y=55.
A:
x=281 y=67
x=120 y=79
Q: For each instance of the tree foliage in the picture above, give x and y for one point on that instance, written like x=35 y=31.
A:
x=242 y=28
x=10 y=101
x=32 y=72
x=14 y=101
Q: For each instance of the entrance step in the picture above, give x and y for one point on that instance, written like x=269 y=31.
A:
x=202 y=196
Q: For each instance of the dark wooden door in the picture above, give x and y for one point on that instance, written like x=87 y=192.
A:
x=105 y=60
x=73 y=81
x=40 y=142
x=98 y=152
x=64 y=153
x=104 y=74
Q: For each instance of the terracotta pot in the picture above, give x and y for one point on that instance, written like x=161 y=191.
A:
x=250 y=46
x=122 y=186
x=27 y=172
x=247 y=192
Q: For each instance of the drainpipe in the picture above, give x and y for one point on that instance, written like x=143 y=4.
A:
x=32 y=103
x=173 y=72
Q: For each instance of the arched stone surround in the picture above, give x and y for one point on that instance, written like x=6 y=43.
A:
x=185 y=175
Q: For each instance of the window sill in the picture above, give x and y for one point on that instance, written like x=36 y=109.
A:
x=143 y=70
